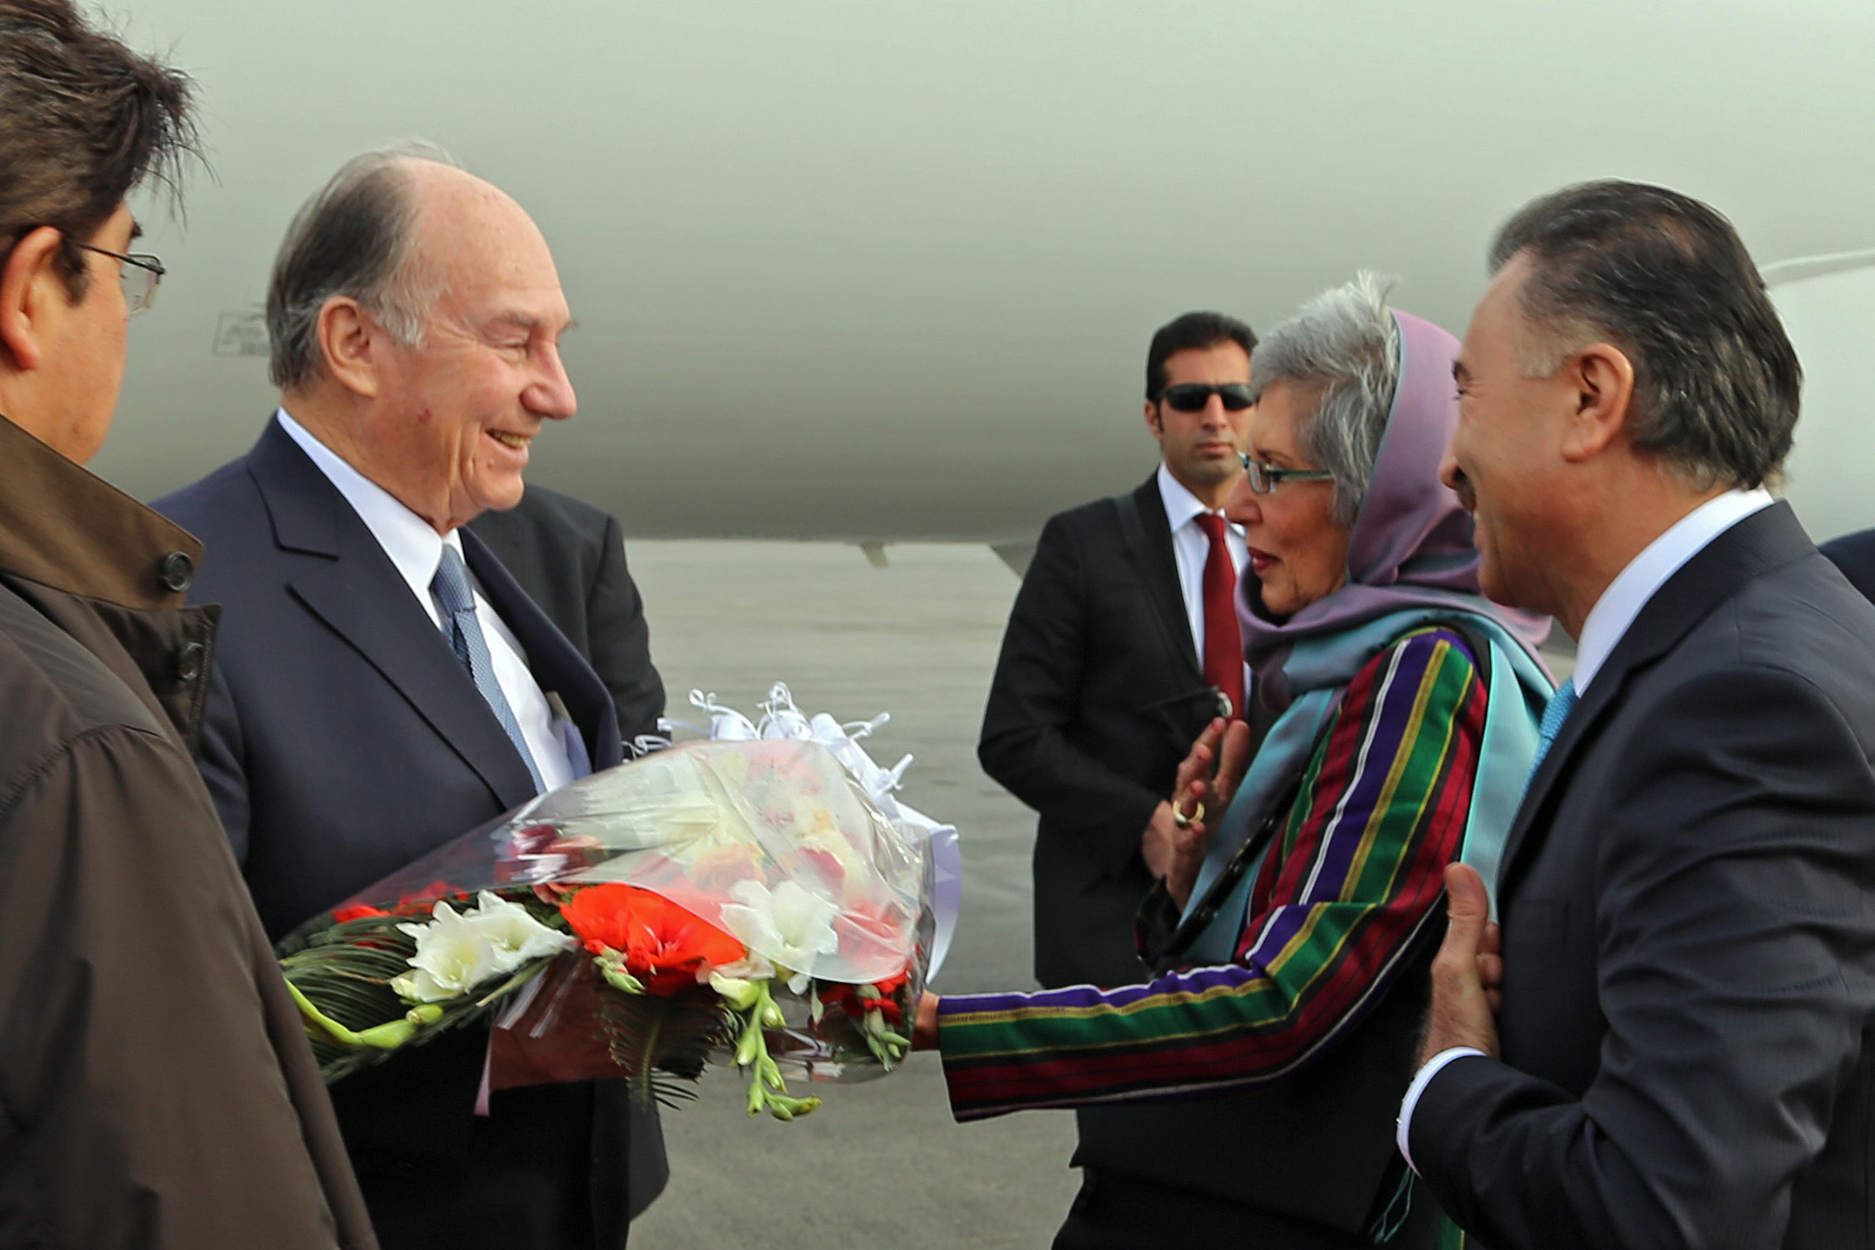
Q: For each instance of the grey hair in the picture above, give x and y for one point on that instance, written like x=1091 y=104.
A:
x=1668 y=282
x=1345 y=344
x=355 y=238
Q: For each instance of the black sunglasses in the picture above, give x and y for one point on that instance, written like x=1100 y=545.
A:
x=1193 y=396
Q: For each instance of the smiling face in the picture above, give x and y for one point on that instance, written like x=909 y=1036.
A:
x=455 y=414
x=1296 y=548
x=1506 y=453
x=1200 y=448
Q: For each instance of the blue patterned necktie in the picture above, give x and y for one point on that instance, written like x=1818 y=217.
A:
x=452 y=590
x=1555 y=712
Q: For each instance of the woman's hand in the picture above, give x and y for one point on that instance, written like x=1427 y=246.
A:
x=1177 y=838
x=924 y=1029
x=1229 y=745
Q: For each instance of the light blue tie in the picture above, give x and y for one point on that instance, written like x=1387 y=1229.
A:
x=1555 y=712
x=452 y=590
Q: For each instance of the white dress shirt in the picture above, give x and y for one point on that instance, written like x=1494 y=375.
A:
x=416 y=549
x=1602 y=629
x=1191 y=547
x=1609 y=619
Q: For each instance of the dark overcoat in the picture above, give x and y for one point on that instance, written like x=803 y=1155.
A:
x=156 y=1087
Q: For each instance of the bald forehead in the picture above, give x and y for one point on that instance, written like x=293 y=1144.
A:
x=447 y=192
x=455 y=208
x=472 y=237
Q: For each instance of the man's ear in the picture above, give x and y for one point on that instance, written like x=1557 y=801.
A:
x=31 y=274
x=1601 y=378
x=1152 y=419
x=351 y=344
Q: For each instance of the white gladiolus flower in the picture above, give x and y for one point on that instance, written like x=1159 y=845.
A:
x=790 y=926
x=516 y=937
x=453 y=957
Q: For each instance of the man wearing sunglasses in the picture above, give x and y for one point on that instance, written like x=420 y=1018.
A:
x=1121 y=647
x=156 y=1088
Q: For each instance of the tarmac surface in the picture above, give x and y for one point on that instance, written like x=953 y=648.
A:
x=880 y=1163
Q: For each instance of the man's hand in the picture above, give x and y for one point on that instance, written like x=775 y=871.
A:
x=1467 y=973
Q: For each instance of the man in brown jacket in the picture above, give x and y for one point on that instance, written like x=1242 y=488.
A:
x=156 y=1089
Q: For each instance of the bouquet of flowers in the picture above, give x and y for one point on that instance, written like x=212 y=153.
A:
x=759 y=894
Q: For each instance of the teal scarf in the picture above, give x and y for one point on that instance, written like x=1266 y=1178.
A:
x=1318 y=671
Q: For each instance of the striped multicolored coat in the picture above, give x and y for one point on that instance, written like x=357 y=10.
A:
x=1339 y=907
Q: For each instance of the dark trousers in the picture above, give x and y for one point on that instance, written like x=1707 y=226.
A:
x=1118 y=1212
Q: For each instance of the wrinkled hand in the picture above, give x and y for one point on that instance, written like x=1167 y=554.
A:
x=1213 y=769
x=1467 y=973
x=1207 y=781
x=1164 y=843
x=924 y=1029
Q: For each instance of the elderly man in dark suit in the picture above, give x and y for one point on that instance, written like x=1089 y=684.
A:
x=1122 y=646
x=382 y=684
x=1683 y=966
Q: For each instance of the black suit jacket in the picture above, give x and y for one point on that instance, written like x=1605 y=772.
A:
x=1854 y=554
x=570 y=558
x=1097 y=697
x=1688 y=911
x=343 y=740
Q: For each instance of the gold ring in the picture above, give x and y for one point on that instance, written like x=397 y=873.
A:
x=1182 y=820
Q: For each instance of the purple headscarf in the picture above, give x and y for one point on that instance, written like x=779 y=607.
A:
x=1411 y=546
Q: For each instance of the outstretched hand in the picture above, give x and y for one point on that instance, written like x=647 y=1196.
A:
x=924 y=1029
x=1467 y=973
x=1207 y=781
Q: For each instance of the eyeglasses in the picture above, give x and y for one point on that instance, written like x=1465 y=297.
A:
x=141 y=273
x=1265 y=478
x=1193 y=396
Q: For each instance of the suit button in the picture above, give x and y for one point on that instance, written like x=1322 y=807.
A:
x=177 y=571
x=189 y=660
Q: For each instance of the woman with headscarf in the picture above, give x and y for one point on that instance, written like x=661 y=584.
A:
x=1408 y=708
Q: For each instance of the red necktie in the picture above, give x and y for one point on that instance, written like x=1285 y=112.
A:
x=1223 y=645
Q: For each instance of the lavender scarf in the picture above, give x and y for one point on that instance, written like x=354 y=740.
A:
x=1411 y=562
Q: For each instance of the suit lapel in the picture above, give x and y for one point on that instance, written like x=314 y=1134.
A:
x=1766 y=540
x=556 y=665
x=1157 y=569
x=361 y=596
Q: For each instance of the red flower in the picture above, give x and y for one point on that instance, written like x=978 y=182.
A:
x=846 y=997
x=356 y=911
x=868 y=923
x=417 y=903
x=664 y=945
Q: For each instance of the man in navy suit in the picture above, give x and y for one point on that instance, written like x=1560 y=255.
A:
x=381 y=684
x=1668 y=1038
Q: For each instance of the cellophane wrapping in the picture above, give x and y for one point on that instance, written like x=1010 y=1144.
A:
x=771 y=840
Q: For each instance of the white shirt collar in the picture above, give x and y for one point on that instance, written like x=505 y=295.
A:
x=1181 y=506
x=411 y=542
x=1646 y=573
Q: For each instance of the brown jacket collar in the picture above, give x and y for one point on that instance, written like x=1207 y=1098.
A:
x=66 y=528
